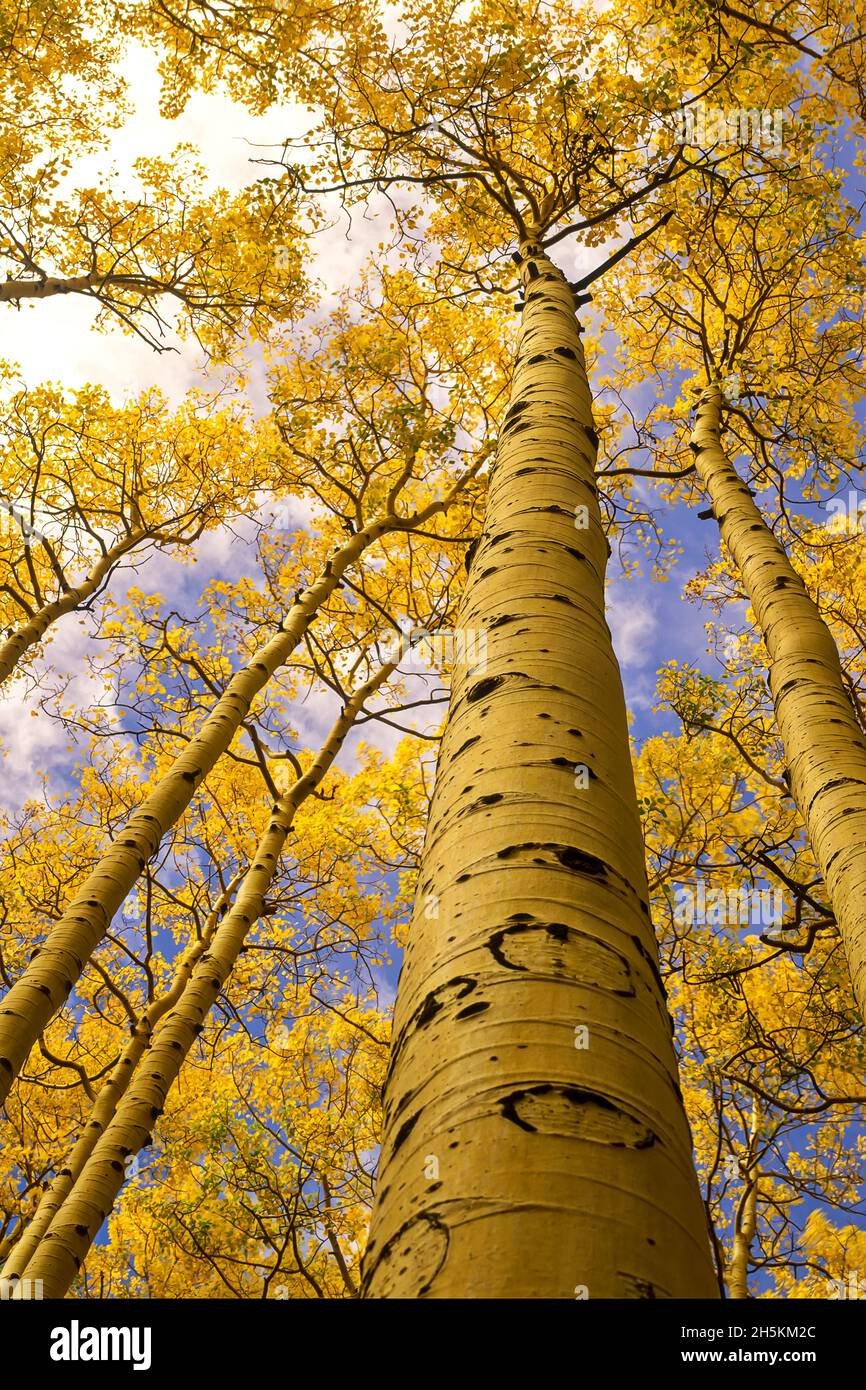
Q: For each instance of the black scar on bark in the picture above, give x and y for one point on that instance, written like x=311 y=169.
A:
x=572 y=858
x=496 y=941
x=653 y=965
x=436 y=1226
x=568 y=855
x=426 y=1011
x=468 y=744
x=483 y=688
x=508 y=1105
x=522 y=922
x=471 y=1009
x=432 y=1006
x=406 y=1099
x=486 y=687
x=404 y=1131
x=576 y=1096
x=554 y=509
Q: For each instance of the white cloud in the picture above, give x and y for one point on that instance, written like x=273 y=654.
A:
x=633 y=623
x=33 y=745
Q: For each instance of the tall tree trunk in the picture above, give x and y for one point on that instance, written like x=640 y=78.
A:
x=76 y=1222
x=824 y=745
x=535 y=1140
x=35 y=998
x=746 y=1218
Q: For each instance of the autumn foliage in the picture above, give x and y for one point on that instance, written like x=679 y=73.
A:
x=312 y=650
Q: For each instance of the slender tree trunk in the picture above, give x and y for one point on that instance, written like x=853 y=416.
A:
x=35 y=998
x=108 y=1099
x=36 y=626
x=535 y=1139
x=746 y=1220
x=824 y=745
x=62 y=1249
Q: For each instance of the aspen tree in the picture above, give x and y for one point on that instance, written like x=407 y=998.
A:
x=295 y=966
x=824 y=744
x=759 y=1028
x=37 y=995
x=113 y=1089
x=137 y=1104
x=746 y=1227
x=34 y=998
x=746 y=1216
x=748 y=293
x=172 y=261
x=276 y=1211
x=535 y=1142
x=226 y=264
x=29 y=633
x=153 y=478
